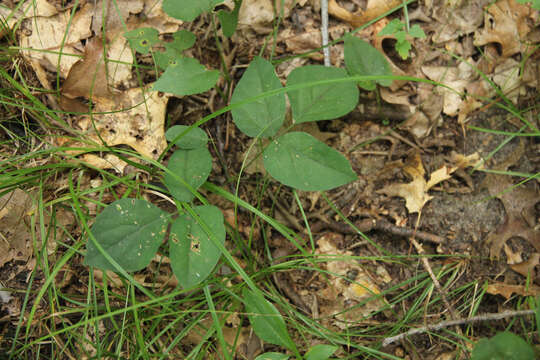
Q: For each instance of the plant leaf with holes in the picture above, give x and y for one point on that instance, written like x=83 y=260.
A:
x=188 y=10
x=186 y=77
x=142 y=39
x=193 y=139
x=266 y=320
x=192 y=250
x=131 y=231
x=182 y=40
x=299 y=160
x=320 y=352
x=265 y=116
x=193 y=167
x=363 y=59
x=321 y=102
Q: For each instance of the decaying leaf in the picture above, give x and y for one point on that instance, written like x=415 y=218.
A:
x=349 y=286
x=519 y=204
x=54 y=40
x=507 y=290
x=136 y=118
x=415 y=192
x=374 y=8
x=506 y=23
x=529 y=268
x=88 y=77
x=15 y=235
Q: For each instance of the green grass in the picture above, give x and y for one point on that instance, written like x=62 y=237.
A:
x=105 y=316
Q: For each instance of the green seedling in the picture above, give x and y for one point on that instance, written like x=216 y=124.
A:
x=403 y=34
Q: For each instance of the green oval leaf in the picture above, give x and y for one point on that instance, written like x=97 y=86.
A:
x=192 y=166
x=188 y=10
x=186 y=77
x=321 y=102
x=299 y=160
x=363 y=59
x=142 y=39
x=272 y=356
x=182 y=40
x=320 y=352
x=265 y=116
x=266 y=320
x=131 y=231
x=503 y=346
x=192 y=250
x=195 y=138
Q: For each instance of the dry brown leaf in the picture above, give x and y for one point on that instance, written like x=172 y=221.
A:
x=15 y=235
x=415 y=192
x=46 y=36
x=507 y=290
x=88 y=77
x=519 y=204
x=374 y=8
x=505 y=23
x=138 y=122
x=528 y=268
x=457 y=18
x=257 y=15
x=341 y=294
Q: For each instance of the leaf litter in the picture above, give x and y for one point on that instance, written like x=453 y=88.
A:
x=425 y=160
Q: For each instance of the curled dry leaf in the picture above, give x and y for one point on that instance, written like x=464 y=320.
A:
x=374 y=9
x=529 y=268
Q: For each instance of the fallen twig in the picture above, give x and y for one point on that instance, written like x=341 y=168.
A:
x=434 y=327
x=367 y=225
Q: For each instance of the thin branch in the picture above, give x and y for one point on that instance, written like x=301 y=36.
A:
x=434 y=327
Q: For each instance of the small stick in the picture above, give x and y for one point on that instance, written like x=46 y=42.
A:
x=324 y=31
x=434 y=327
x=367 y=225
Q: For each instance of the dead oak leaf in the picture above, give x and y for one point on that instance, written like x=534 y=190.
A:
x=505 y=23
x=415 y=192
x=507 y=290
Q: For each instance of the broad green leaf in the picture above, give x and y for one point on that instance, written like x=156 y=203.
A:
x=131 y=231
x=392 y=27
x=193 y=139
x=186 y=76
x=192 y=166
x=320 y=352
x=299 y=160
x=188 y=10
x=321 y=102
x=266 y=320
x=272 y=356
x=363 y=59
x=503 y=346
x=265 y=116
x=142 y=39
x=417 y=32
x=192 y=250
x=182 y=40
